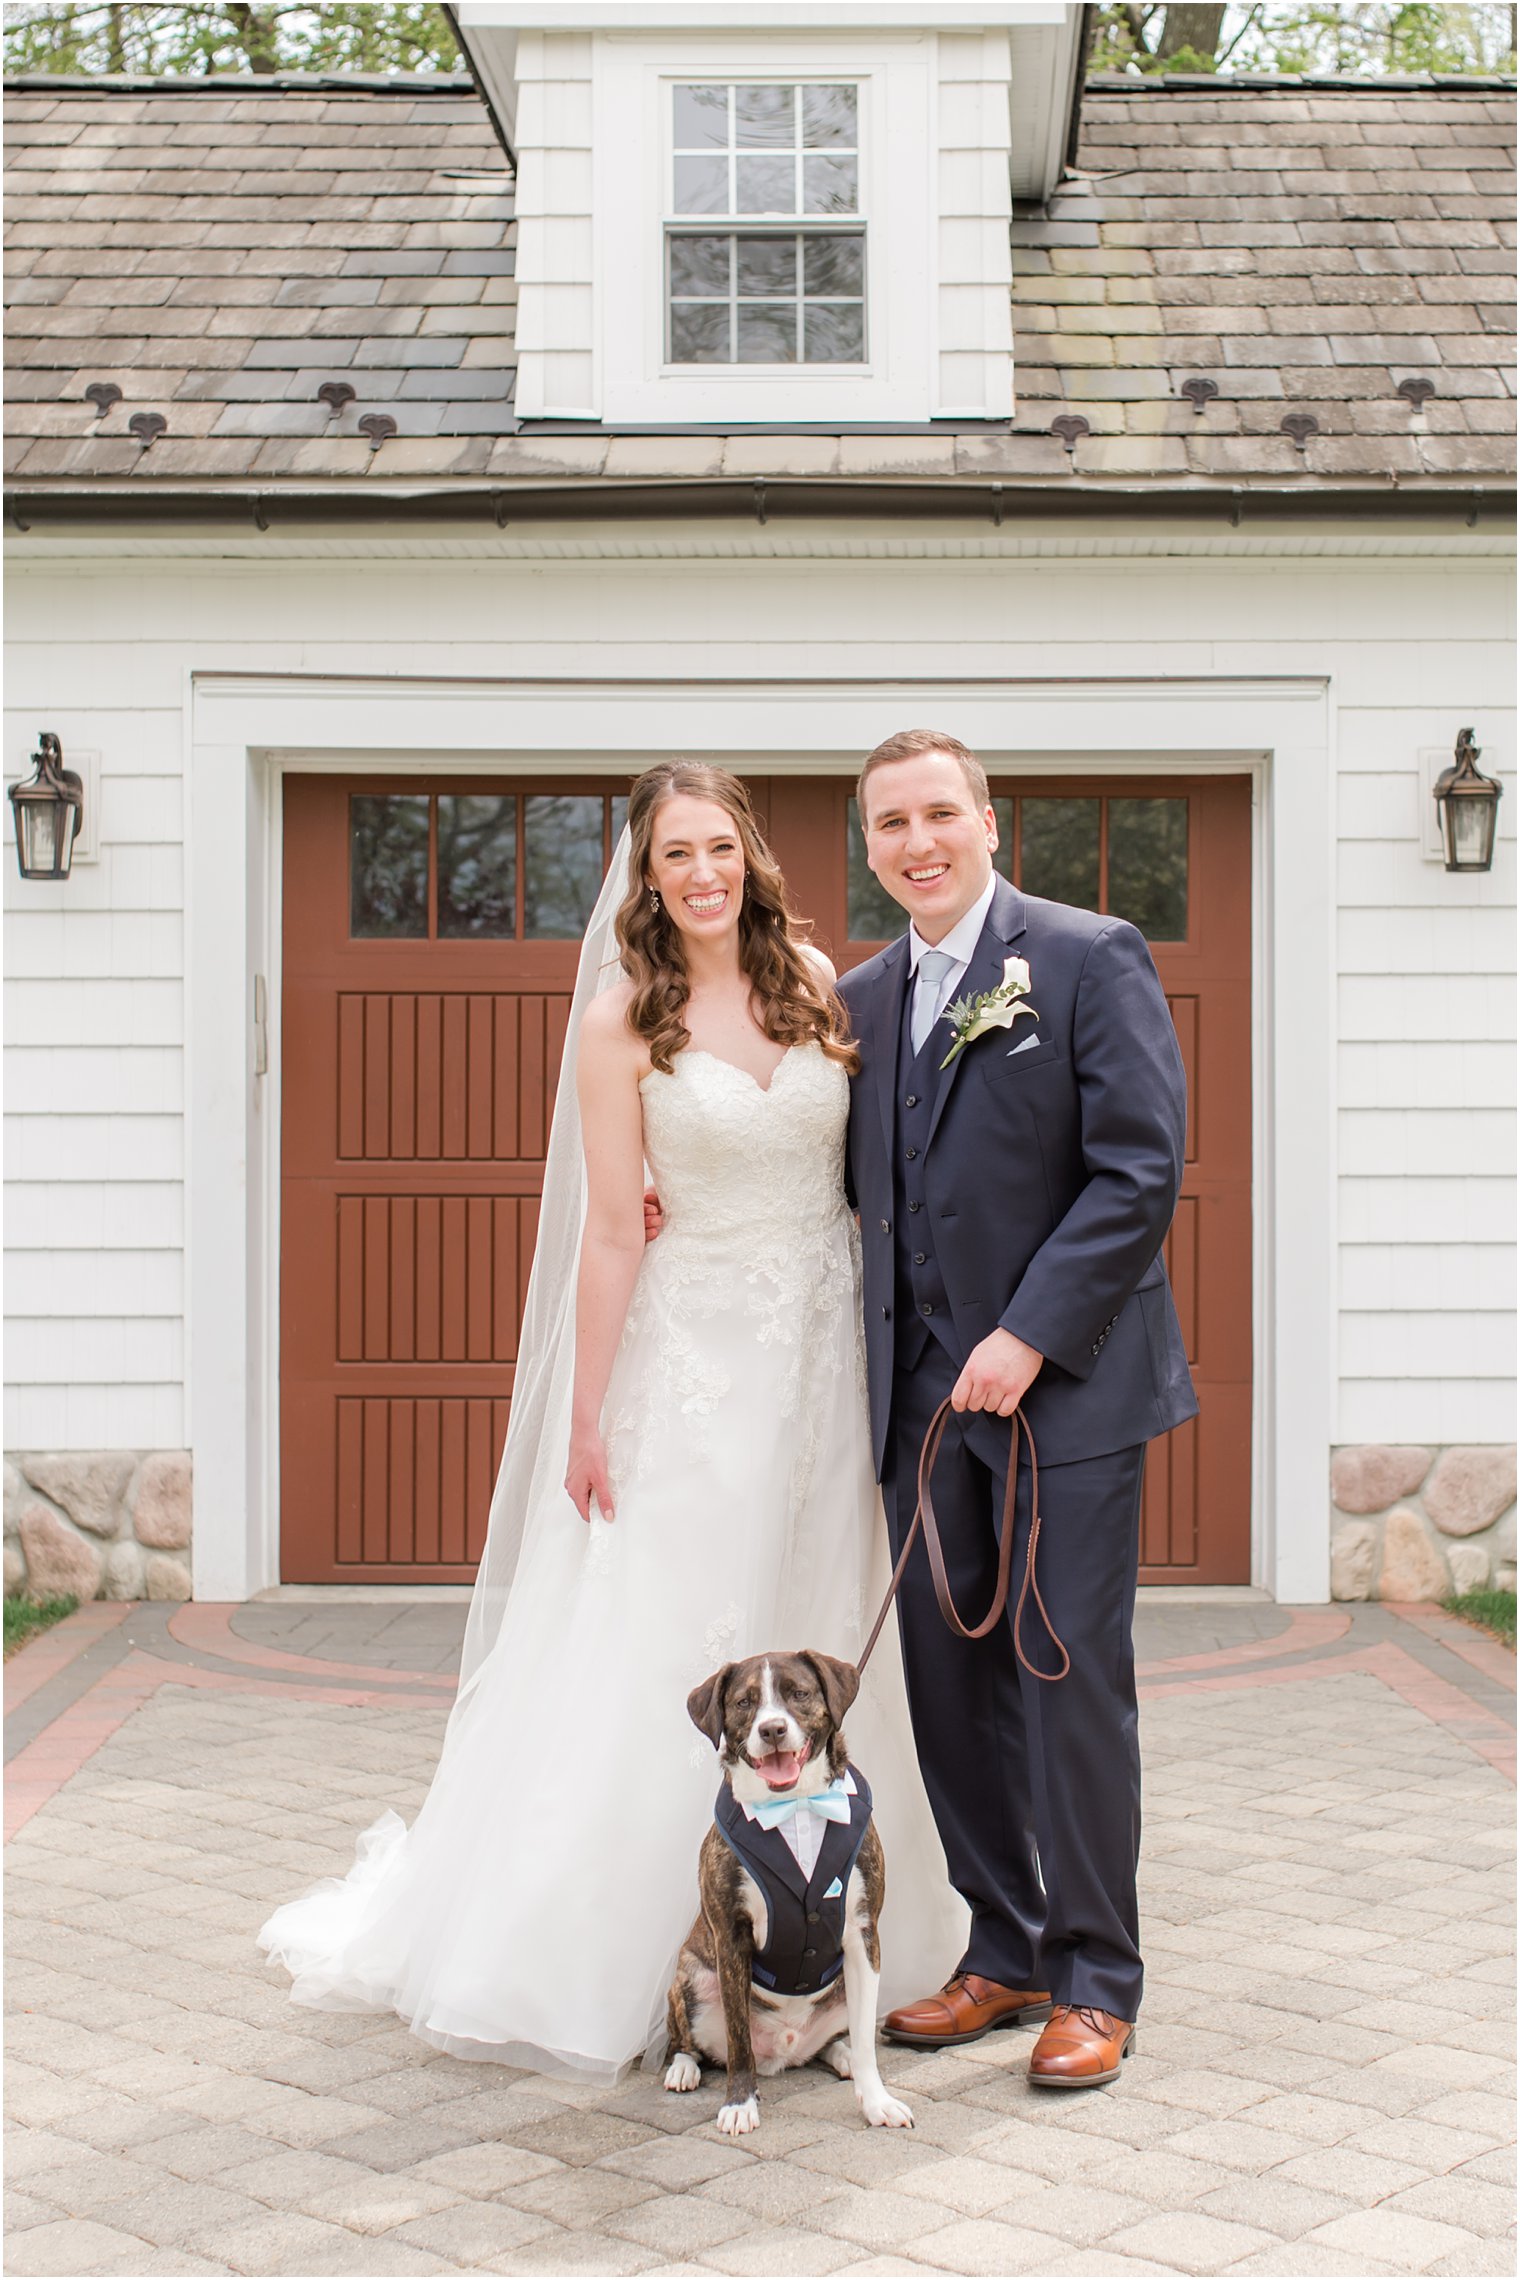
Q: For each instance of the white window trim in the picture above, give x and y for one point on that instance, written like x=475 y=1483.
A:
x=632 y=79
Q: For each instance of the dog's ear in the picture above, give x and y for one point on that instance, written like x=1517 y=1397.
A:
x=704 y=1705
x=840 y=1682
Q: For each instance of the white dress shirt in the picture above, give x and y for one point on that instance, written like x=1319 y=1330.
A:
x=960 y=944
x=804 y=1832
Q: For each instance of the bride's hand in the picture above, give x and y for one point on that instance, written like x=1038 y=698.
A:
x=587 y=1475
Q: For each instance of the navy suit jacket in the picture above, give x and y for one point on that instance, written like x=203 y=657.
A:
x=1050 y=1174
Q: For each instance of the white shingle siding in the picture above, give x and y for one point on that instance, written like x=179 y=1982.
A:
x=974 y=376
x=1425 y=1067
x=556 y=317
x=94 y=1076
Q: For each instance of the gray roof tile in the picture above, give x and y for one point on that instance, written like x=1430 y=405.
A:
x=219 y=249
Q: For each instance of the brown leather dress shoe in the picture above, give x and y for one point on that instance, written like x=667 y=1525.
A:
x=1080 y=2048
x=964 y=2010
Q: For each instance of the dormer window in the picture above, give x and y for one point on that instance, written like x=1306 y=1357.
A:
x=773 y=217
x=759 y=153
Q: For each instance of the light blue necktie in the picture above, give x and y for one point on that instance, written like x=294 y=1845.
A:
x=831 y=1804
x=933 y=966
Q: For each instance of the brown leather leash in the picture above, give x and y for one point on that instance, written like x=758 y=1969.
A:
x=925 y=1517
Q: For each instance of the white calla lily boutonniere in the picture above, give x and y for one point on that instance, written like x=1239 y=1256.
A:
x=972 y=1017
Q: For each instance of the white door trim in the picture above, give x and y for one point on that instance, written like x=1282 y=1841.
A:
x=247 y=731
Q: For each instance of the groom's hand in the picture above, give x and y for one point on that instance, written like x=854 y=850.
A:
x=654 y=1217
x=997 y=1375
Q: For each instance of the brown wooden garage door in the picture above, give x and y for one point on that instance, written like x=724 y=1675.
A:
x=431 y=933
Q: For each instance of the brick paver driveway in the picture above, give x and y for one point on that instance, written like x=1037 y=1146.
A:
x=1321 y=2083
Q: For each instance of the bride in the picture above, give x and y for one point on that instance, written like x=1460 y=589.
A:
x=719 y=1498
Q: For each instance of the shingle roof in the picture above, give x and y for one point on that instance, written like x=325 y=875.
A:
x=220 y=250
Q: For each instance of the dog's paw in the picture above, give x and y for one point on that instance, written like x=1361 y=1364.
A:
x=684 y=2072
x=738 y=2121
x=883 y=2111
x=836 y=2057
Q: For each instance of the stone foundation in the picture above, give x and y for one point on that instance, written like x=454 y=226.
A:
x=107 y=1524
x=1418 y=1522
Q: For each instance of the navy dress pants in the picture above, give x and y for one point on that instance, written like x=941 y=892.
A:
x=1034 y=1786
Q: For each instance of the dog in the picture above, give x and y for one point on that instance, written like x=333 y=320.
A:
x=784 y=1962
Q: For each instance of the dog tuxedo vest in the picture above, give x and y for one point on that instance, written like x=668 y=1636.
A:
x=804 y=1915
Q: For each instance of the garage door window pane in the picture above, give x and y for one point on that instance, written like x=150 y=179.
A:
x=1059 y=856
x=1148 y=866
x=388 y=865
x=562 y=865
x=477 y=866
x=872 y=914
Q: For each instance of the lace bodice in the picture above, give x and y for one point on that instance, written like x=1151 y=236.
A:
x=750 y=1293
x=734 y=1162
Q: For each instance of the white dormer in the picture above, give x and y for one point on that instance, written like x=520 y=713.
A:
x=736 y=212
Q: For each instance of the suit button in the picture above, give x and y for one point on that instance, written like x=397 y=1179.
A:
x=911 y=1101
x=886 y=1227
x=926 y=1308
x=912 y=1152
x=918 y=1258
x=914 y=1207
x=812 y=1915
x=810 y=1951
x=1095 y=1349
x=886 y=1314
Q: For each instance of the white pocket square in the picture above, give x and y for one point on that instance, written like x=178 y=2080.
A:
x=1024 y=1048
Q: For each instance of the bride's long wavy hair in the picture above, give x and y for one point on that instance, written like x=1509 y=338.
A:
x=793 y=1002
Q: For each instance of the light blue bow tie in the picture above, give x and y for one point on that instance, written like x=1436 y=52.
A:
x=831 y=1804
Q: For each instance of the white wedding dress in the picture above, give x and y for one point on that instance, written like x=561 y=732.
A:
x=533 y=1912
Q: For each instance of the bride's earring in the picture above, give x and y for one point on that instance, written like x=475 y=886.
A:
x=654 y=898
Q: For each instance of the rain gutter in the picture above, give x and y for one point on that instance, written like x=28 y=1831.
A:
x=48 y=509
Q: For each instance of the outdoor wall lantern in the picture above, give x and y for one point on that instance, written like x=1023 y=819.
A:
x=49 y=810
x=1468 y=806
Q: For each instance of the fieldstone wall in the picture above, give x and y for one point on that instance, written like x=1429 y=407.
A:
x=1418 y=1523
x=109 y=1524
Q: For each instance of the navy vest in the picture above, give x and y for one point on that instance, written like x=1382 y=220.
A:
x=804 y=1916
x=919 y=1297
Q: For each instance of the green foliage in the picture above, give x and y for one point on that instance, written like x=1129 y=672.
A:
x=1186 y=59
x=1358 y=41
x=144 y=36
x=1490 y=1610
x=25 y=1617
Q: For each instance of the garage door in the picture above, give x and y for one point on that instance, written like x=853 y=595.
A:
x=431 y=936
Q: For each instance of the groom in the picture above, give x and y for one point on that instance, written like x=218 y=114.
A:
x=1012 y=1211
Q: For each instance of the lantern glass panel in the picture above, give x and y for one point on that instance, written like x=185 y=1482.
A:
x=38 y=821
x=1469 y=833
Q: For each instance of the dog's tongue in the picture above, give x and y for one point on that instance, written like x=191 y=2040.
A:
x=781 y=1769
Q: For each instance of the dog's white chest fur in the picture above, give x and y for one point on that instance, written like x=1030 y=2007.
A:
x=785 y=2030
